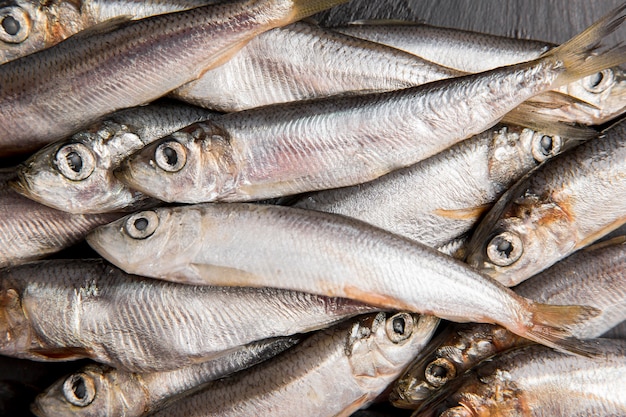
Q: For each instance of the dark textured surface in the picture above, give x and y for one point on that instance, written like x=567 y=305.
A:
x=549 y=20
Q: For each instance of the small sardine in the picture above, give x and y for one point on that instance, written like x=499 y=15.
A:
x=333 y=373
x=71 y=309
x=594 y=277
x=562 y=206
x=53 y=93
x=76 y=175
x=30 y=231
x=102 y=391
x=534 y=381
x=328 y=143
x=321 y=253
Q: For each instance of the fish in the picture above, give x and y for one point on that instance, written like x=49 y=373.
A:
x=304 y=61
x=562 y=206
x=99 y=390
x=293 y=148
x=334 y=372
x=31 y=231
x=255 y=245
x=71 y=309
x=595 y=277
x=442 y=198
x=76 y=174
x=29 y=26
x=535 y=381
x=602 y=96
x=119 y=64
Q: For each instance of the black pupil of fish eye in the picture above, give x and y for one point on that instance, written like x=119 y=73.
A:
x=438 y=371
x=398 y=325
x=546 y=145
x=503 y=246
x=75 y=161
x=141 y=224
x=596 y=80
x=79 y=388
x=11 y=25
x=170 y=156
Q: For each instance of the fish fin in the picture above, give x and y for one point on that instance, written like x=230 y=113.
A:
x=467 y=213
x=551 y=324
x=526 y=116
x=306 y=8
x=577 y=55
x=600 y=233
x=384 y=22
x=614 y=241
x=225 y=276
x=556 y=99
x=62 y=353
x=104 y=27
x=354 y=406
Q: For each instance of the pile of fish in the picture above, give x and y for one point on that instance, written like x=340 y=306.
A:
x=286 y=212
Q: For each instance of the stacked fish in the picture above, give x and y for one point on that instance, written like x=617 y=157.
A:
x=338 y=191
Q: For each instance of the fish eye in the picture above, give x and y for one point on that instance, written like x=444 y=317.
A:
x=142 y=225
x=15 y=24
x=399 y=327
x=545 y=146
x=75 y=161
x=504 y=249
x=79 y=389
x=170 y=156
x=600 y=81
x=439 y=372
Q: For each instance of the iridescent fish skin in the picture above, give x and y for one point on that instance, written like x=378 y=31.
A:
x=120 y=64
x=30 y=231
x=534 y=381
x=102 y=391
x=562 y=206
x=360 y=357
x=76 y=174
x=594 y=277
x=71 y=309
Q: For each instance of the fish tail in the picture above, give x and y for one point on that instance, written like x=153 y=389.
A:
x=306 y=8
x=578 y=56
x=527 y=116
x=551 y=327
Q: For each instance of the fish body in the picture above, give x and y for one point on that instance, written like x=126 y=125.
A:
x=66 y=309
x=102 y=391
x=594 y=277
x=562 y=206
x=76 y=174
x=360 y=357
x=319 y=253
x=535 y=381
x=30 y=230
x=119 y=64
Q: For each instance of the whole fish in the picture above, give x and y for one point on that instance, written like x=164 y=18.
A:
x=76 y=174
x=536 y=381
x=321 y=253
x=333 y=373
x=304 y=61
x=602 y=95
x=30 y=231
x=328 y=143
x=102 y=391
x=440 y=199
x=31 y=25
x=594 y=277
x=71 y=309
x=562 y=206
x=53 y=93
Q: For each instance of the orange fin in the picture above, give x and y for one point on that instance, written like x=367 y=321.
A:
x=62 y=353
x=469 y=213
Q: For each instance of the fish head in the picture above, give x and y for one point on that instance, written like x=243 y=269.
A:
x=605 y=91
x=94 y=391
x=27 y=26
x=150 y=243
x=182 y=167
x=382 y=345
x=76 y=175
x=16 y=332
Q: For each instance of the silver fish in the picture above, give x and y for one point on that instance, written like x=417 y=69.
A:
x=534 y=381
x=76 y=174
x=333 y=373
x=320 y=253
x=102 y=391
x=562 y=206
x=70 y=309
x=119 y=64
x=328 y=143
x=30 y=231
